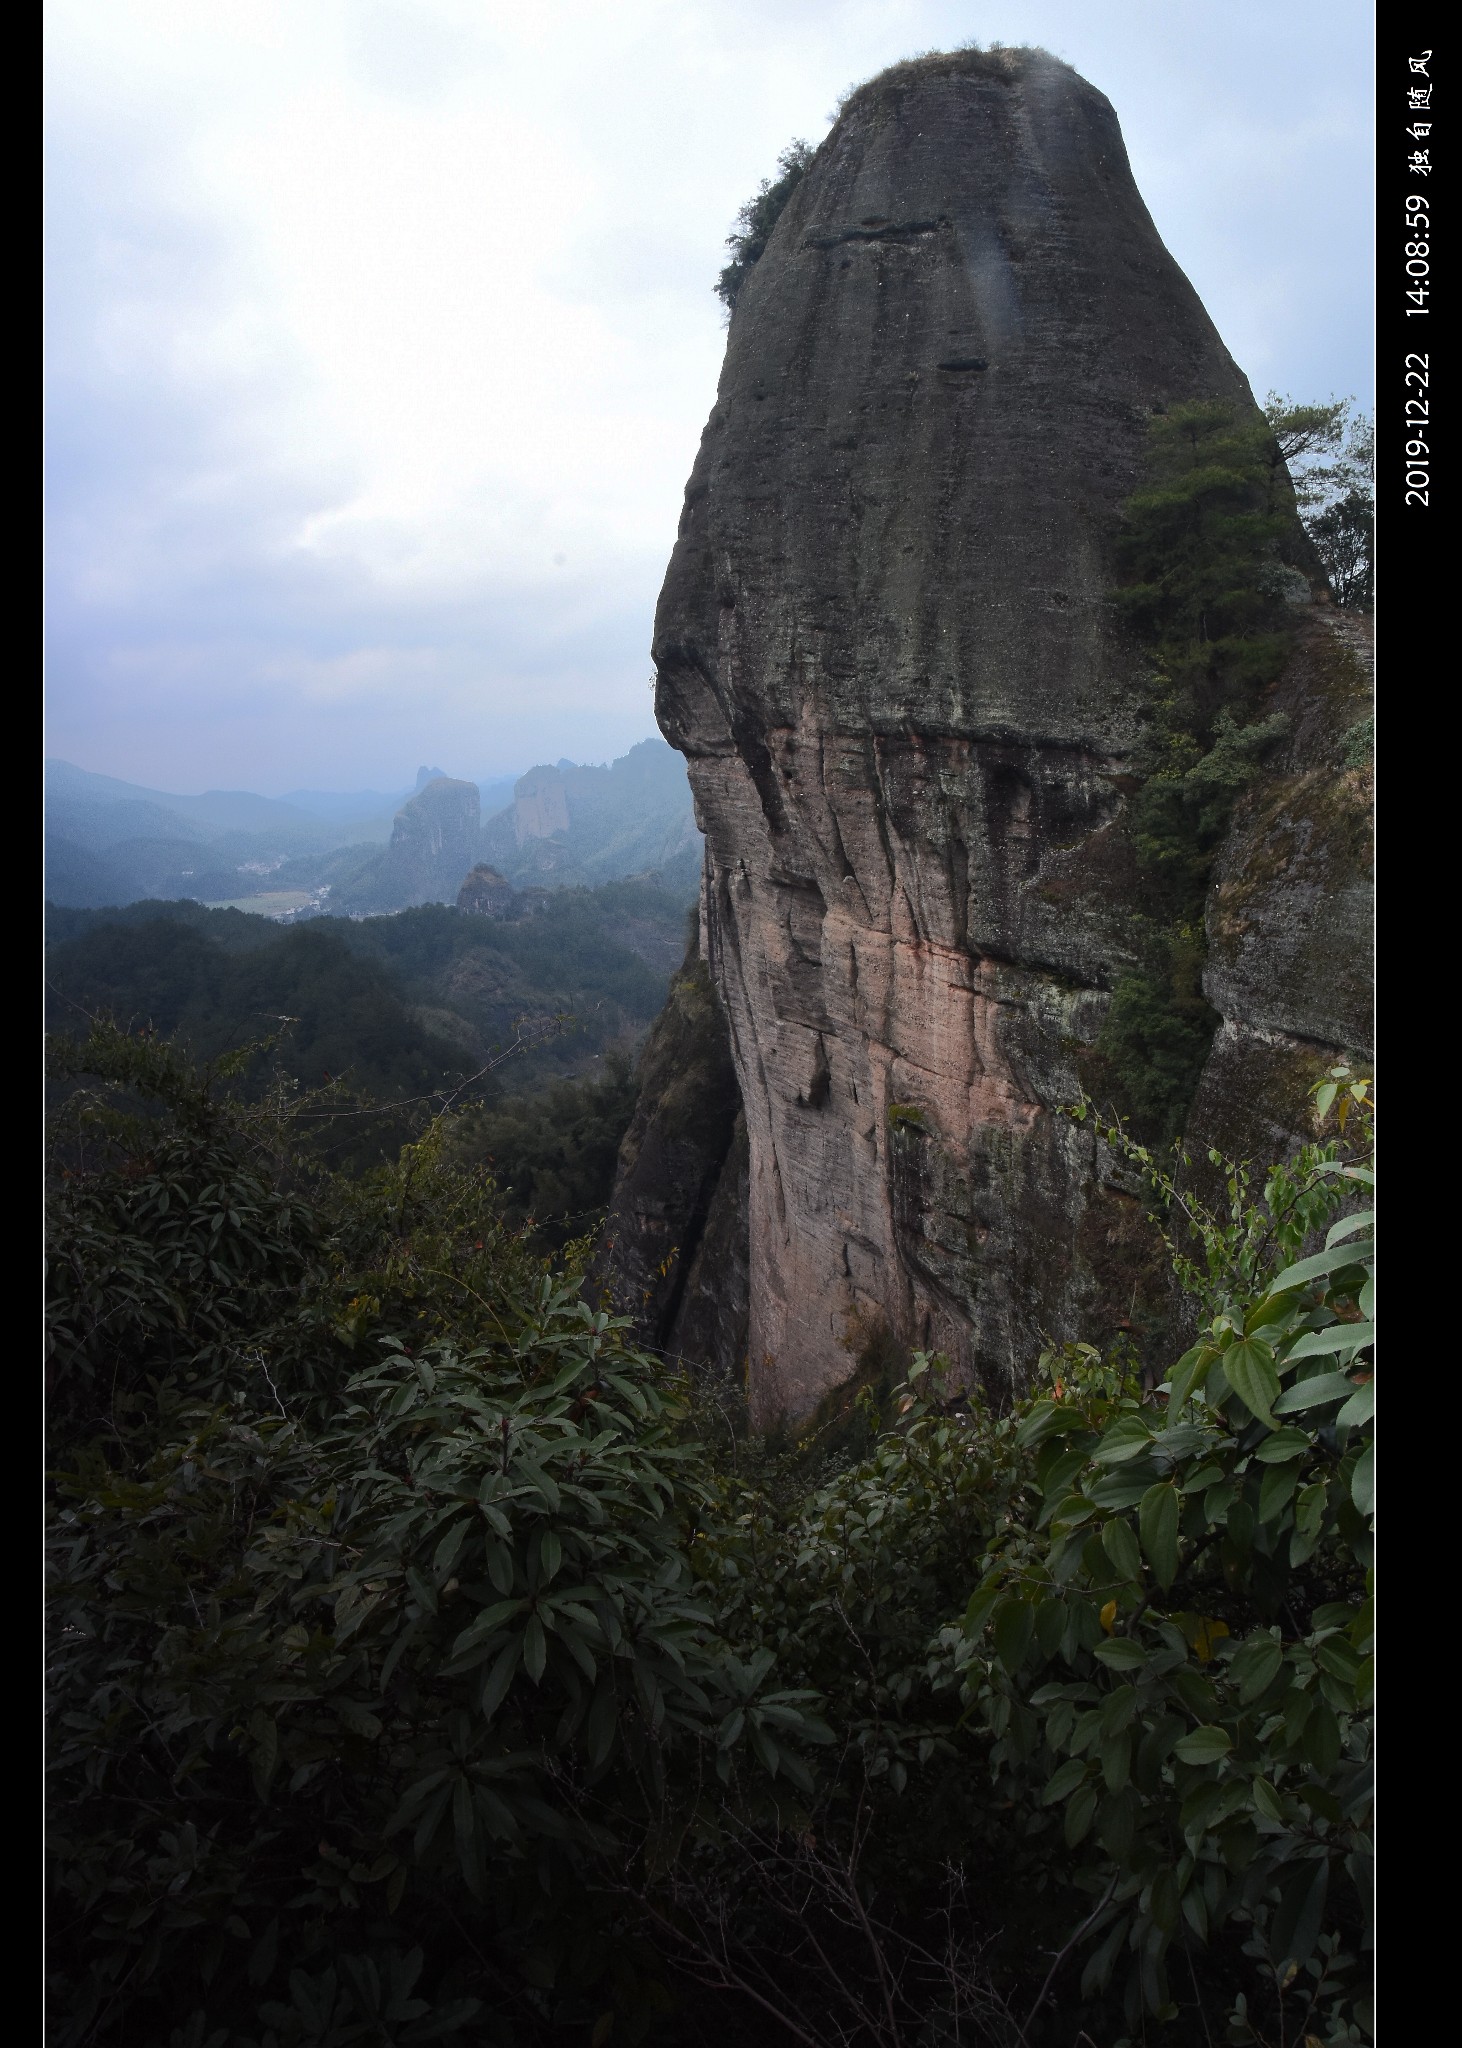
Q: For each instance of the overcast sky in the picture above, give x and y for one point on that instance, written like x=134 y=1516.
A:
x=382 y=334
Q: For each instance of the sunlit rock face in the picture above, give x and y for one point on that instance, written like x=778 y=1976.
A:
x=886 y=647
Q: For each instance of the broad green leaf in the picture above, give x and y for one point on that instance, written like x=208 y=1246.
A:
x=1326 y=1343
x=499 y=1678
x=1361 y=1406
x=1014 y=1624
x=1320 y=1739
x=1203 y=1746
x=1039 y=1421
x=977 y=1613
x=535 y=1648
x=450 y=1545
x=1121 y=1653
x=1270 y=1309
x=1278 y=1483
x=1118 y=1709
x=1164 y=1907
x=1339 y=1658
x=1079 y=1811
x=1332 y=1261
x=1318 y=1392
x=1255 y=1665
x=1210 y=1804
x=1349 y=1225
x=485 y=1624
x=1283 y=1445
x=1158 y=1518
x=1064 y=1781
x=1295 y=1928
x=1267 y=1800
x=1180 y=1440
x=1190 y=1372
x=1125 y=1486
x=425 y=1591
x=1251 y=1374
x=1120 y=1545
x=1363 y=1481
x=1115 y=1758
x=1128 y=1435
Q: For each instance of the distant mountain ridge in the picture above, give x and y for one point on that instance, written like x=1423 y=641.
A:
x=213 y=813
x=111 y=842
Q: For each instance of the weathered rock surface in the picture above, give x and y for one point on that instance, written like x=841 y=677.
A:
x=540 y=805
x=486 y=893
x=1290 y=957
x=673 y=1252
x=433 y=843
x=576 y=825
x=886 y=647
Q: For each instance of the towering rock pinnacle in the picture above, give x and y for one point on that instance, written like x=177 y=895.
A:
x=887 y=648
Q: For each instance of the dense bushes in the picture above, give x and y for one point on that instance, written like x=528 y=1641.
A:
x=399 y=1012
x=417 y=1675
x=553 y=1155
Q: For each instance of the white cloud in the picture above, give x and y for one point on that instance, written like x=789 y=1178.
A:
x=373 y=309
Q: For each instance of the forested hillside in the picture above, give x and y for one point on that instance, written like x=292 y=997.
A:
x=427 y=1667
x=407 y=1011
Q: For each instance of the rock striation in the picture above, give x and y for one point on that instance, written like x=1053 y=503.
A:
x=433 y=842
x=673 y=1252
x=887 y=648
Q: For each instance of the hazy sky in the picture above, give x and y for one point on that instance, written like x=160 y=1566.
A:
x=382 y=334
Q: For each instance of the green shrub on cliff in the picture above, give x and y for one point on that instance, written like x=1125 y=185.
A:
x=1330 y=452
x=1206 y=586
x=754 y=223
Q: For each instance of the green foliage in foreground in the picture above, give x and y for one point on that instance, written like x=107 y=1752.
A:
x=418 y=1676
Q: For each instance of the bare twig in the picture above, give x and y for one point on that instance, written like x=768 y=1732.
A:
x=1092 y=1917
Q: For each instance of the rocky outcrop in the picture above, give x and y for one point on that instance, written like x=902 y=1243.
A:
x=1290 y=957
x=576 y=825
x=673 y=1252
x=433 y=843
x=887 y=649
x=540 y=805
x=485 y=893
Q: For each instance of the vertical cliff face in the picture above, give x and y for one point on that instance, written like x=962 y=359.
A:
x=887 y=649
x=433 y=840
x=673 y=1253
